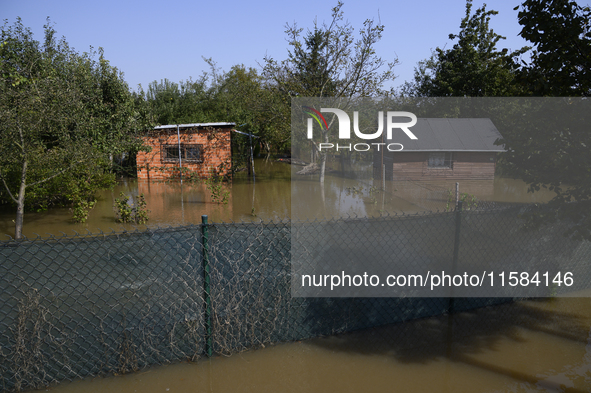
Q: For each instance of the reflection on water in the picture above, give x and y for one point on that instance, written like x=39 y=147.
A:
x=529 y=346
x=172 y=203
x=270 y=198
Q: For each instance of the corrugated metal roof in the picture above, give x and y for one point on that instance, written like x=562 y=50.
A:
x=194 y=125
x=246 y=133
x=474 y=135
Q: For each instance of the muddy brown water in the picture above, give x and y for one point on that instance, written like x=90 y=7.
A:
x=269 y=197
x=528 y=346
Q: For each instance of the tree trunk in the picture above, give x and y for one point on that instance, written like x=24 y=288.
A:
x=267 y=148
x=322 y=167
x=20 y=204
x=323 y=159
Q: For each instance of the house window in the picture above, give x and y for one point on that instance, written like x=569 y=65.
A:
x=440 y=160
x=189 y=153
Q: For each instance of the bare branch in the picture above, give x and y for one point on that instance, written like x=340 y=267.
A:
x=7 y=189
x=55 y=174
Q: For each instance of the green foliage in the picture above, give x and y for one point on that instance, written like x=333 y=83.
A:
x=244 y=97
x=214 y=183
x=179 y=103
x=123 y=210
x=77 y=188
x=141 y=211
x=550 y=147
x=81 y=209
x=373 y=194
x=354 y=190
x=542 y=149
x=63 y=115
x=331 y=61
x=469 y=201
x=473 y=67
x=310 y=73
x=215 y=186
x=131 y=213
x=560 y=32
x=240 y=96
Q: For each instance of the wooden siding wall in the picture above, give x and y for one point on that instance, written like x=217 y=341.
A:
x=217 y=155
x=415 y=166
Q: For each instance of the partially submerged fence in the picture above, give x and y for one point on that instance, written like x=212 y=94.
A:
x=72 y=307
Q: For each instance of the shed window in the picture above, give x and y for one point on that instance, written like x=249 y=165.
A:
x=189 y=153
x=440 y=160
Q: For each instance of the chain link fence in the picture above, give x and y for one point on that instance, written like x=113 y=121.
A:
x=73 y=307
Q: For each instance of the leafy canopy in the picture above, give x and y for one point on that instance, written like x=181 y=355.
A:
x=473 y=67
x=63 y=115
x=560 y=33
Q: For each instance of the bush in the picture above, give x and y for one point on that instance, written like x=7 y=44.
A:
x=126 y=213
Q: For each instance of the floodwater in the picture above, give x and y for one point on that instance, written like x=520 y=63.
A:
x=267 y=198
x=529 y=346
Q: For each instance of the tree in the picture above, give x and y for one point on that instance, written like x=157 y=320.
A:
x=560 y=32
x=473 y=67
x=163 y=98
x=242 y=96
x=239 y=95
x=63 y=115
x=310 y=73
x=551 y=149
x=179 y=103
x=331 y=62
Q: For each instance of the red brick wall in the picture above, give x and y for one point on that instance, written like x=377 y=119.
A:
x=217 y=154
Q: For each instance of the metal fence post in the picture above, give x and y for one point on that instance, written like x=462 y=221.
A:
x=206 y=288
x=456 y=252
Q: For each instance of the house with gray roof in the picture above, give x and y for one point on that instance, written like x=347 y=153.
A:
x=450 y=149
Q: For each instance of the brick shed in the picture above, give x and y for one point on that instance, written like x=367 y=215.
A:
x=448 y=149
x=202 y=148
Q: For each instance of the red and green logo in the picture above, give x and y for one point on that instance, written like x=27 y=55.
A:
x=316 y=115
